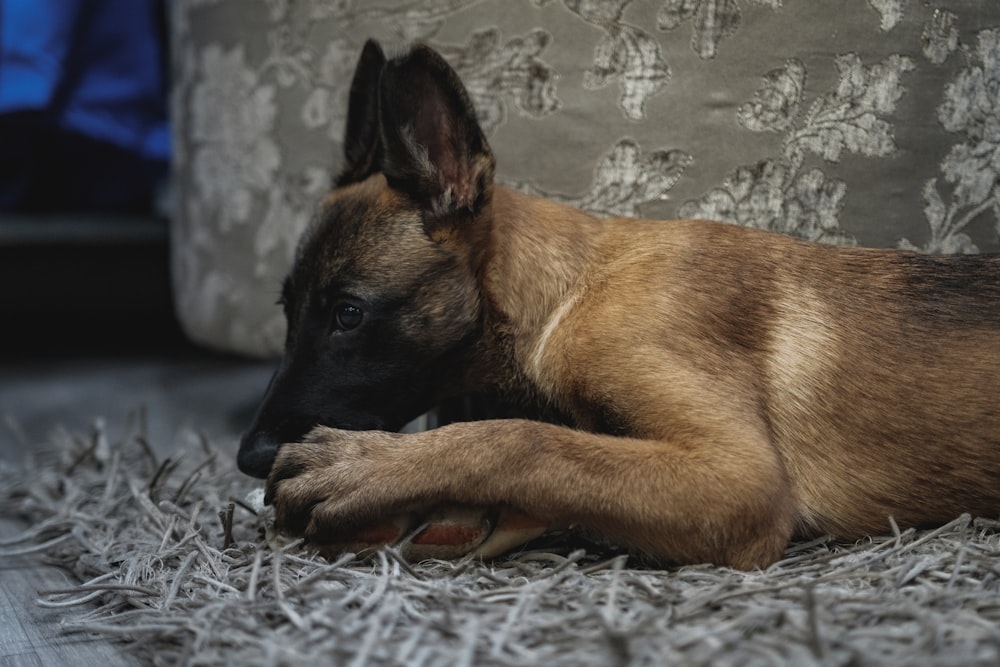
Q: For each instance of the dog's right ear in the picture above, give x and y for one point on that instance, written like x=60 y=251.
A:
x=362 y=140
x=435 y=150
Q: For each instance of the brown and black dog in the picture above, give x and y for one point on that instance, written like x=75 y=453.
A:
x=727 y=388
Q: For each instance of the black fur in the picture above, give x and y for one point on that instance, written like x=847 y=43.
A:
x=362 y=140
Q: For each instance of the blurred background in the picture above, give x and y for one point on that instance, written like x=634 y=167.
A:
x=84 y=168
x=87 y=322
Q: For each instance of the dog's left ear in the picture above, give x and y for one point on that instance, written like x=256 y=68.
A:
x=362 y=143
x=435 y=150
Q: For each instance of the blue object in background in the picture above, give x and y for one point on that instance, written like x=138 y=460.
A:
x=83 y=104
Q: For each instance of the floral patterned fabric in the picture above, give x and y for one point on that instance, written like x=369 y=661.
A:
x=871 y=122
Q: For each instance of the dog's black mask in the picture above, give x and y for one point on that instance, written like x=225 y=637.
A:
x=382 y=302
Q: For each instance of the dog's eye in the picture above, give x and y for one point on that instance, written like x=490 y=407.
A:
x=347 y=317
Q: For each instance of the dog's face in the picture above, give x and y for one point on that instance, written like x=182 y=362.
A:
x=382 y=303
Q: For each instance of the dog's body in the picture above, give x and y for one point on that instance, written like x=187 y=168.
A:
x=727 y=387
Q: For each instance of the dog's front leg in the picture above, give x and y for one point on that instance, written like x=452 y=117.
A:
x=713 y=500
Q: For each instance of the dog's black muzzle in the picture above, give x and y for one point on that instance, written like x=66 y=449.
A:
x=295 y=402
x=257 y=453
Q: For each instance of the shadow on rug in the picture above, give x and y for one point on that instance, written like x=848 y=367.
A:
x=160 y=573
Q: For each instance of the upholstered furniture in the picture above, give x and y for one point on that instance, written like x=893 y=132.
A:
x=872 y=122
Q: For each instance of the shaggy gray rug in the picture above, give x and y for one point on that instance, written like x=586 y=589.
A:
x=162 y=570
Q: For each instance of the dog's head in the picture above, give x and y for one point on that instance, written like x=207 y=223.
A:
x=382 y=302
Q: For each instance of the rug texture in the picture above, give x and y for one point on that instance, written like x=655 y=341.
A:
x=164 y=572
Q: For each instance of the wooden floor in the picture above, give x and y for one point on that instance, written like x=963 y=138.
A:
x=30 y=634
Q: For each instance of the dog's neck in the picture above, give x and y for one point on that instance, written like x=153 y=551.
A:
x=538 y=250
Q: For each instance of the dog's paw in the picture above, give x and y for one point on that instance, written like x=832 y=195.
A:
x=350 y=491
x=446 y=533
x=330 y=484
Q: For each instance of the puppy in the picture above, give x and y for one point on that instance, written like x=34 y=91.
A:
x=723 y=389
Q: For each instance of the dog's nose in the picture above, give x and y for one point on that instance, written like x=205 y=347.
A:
x=257 y=452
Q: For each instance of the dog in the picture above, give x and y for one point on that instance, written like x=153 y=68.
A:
x=722 y=389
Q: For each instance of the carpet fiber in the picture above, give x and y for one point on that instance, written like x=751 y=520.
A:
x=158 y=573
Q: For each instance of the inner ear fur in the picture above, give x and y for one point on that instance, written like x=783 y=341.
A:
x=434 y=148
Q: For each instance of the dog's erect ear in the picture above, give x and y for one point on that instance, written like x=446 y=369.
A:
x=435 y=150
x=362 y=141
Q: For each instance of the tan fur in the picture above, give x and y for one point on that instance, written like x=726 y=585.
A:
x=728 y=388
